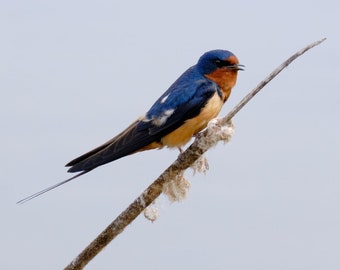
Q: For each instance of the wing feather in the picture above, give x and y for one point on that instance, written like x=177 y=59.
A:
x=125 y=143
x=183 y=100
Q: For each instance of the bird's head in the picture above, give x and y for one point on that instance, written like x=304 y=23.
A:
x=220 y=67
x=218 y=59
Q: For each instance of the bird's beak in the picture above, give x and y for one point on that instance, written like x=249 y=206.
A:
x=237 y=67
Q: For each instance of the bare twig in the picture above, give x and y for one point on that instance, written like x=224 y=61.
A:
x=184 y=161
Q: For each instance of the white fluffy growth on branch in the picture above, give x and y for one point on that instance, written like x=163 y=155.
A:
x=177 y=187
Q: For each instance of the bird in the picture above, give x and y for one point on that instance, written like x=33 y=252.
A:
x=181 y=112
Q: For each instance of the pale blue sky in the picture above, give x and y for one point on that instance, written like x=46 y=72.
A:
x=75 y=73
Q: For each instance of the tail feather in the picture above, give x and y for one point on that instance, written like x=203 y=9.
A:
x=133 y=139
x=50 y=188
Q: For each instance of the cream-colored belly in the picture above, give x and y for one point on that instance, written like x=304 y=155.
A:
x=184 y=133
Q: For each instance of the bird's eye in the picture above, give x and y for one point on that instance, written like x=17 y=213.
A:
x=221 y=63
x=218 y=63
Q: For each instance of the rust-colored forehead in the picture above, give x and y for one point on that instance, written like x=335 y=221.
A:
x=232 y=60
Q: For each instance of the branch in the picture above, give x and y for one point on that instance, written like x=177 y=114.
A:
x=202 y=143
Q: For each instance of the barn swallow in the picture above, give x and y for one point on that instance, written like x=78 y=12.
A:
x=185 y=109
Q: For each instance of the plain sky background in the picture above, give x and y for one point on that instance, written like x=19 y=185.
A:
x=75 y=73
